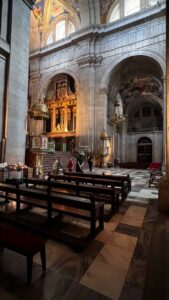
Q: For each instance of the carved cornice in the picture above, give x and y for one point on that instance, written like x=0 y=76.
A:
x=89 y=61
x=29 y=3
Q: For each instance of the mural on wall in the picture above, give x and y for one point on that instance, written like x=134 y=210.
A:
x=57 y=8
x=140 y=86
x=38 y=10
x=104 y=8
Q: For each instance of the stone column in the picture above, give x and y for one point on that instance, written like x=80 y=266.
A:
x=102 y=111
x=86 y=117
x=123 y=142
x=18 y=82
x=164 y=186
x=164 y=124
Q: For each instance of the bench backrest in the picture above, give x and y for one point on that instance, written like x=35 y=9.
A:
x=64 y=199
x=99 y=181
x=77 y=187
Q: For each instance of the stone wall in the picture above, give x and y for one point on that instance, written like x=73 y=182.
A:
x=14 y=53
x=91 y=56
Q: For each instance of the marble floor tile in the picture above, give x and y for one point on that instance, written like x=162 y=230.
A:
x=138 y=200
x=105 y=279
x=133 y=194
x=123 y=241
x=55 y=286
x=117 y=258
x=128 y=229
x=103 y=236
x=54 y=254
x=134 y=216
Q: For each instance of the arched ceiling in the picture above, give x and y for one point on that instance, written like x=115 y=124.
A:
x=47 y=11
x=135 y=79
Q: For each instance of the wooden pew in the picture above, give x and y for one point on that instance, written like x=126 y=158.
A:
x=82 y=208
x=24 y=243
x=124 y=178
x=118 y=185
x=100 y=193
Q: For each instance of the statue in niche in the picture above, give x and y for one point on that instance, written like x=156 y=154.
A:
x=58 y=128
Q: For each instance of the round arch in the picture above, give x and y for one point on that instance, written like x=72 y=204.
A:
x=149 y=54
x=45 y=83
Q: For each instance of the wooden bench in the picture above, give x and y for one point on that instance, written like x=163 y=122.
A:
x=24 y=243
x=124 y=178
x=82 y=208
x=117 y=185
x=100 y=193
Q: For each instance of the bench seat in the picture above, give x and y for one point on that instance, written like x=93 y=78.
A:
x=24 y=243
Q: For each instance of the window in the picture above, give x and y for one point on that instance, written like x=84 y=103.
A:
x=60 y=30
x=152 y=2
x=131 y=6
x=50 y=38
x=115 y=15
x=71 y=28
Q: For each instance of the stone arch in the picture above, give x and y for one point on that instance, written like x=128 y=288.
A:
x=45 y=83
x=149 y=54
x=153 y=97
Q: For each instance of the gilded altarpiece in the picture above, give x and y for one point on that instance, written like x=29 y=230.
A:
x=61 y=100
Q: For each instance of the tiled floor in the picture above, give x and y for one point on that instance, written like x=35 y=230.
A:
x=113 y=266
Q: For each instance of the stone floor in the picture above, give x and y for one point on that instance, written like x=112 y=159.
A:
x=120 y=264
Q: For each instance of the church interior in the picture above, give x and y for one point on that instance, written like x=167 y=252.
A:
x=84 y=149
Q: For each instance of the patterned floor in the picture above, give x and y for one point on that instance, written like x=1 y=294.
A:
x=113 y=266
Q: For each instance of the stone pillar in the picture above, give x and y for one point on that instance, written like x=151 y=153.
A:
x=18 y=82
x=164 y=124
x=123 y=142
x=89 y=12
x=102 y=111
x=164 y=186
x=86 y=121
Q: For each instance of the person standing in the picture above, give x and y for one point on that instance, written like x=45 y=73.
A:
x=79 y=164
x=70 y=165
x=57 y=165
x=90 y=161
x=115 y=162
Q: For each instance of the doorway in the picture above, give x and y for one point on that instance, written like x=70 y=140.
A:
x=144 y=150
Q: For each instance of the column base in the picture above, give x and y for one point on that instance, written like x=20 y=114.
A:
x=163 y=167
x=163 y=205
